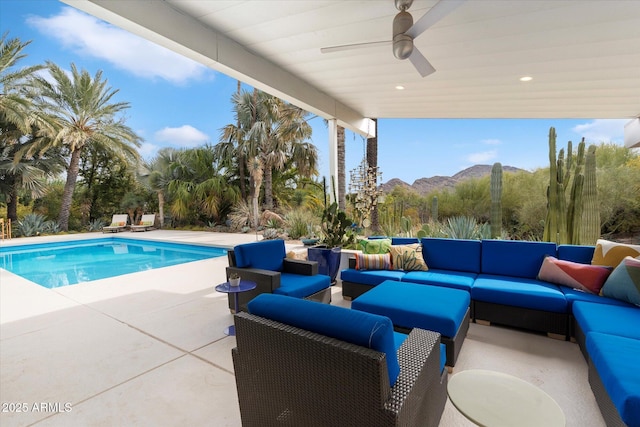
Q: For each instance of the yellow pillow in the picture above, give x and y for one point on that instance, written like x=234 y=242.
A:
x=611 y=254
x=408 y=257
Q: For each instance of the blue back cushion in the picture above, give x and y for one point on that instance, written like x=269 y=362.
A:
x=514 y=257
x=356 y=327
x=266 y=255
x=452 y=254
x=576 y=253
x=404 y=240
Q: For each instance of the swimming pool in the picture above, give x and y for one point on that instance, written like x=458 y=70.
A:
x=68 y=263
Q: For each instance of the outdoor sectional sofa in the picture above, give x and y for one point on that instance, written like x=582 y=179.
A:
x=502 y=280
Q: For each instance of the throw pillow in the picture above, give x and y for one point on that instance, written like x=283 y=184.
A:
x=624 y=282
x=408 y=257
x=612 y=253
x=373 y=261
x=376 y=246
x=586 y=277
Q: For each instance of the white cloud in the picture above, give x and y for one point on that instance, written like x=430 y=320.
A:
x=89 y=36
x=147 y=150
x=491 y=141
x=602 y=130
x=183 y=136
x=482 y=157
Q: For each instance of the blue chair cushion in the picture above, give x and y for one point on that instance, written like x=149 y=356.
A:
x=449 y=279
x=616 y=360
x=356 y=327
x=574 y=295
x=576 y=253
x=265 y=255
x=411 y=305
x=452 y=254
x=515 y=258
x=608 y=319
x=370 y=277
x=301 y=286
x=519 y=292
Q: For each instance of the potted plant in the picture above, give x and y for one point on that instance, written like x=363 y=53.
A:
x=335 y=234
x=234 y=279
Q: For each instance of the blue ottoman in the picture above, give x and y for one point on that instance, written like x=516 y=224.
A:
x=410 y=305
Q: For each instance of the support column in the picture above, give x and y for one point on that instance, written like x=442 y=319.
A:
x=332 y=180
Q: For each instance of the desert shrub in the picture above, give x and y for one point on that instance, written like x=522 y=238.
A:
x=301 y=223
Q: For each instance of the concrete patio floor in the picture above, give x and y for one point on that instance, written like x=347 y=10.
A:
x=149 y=349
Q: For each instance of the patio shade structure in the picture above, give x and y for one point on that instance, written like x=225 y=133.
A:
x=582 y=56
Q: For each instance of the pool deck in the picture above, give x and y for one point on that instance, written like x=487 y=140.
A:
x=148 y=349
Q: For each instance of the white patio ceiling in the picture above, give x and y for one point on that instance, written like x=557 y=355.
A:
x=584 y=56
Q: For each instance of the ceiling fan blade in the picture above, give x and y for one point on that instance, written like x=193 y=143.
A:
x=423 y=66
x=435 y=14
x=353 y=46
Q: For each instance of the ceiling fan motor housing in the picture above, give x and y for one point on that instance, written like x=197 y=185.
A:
x=402 y=43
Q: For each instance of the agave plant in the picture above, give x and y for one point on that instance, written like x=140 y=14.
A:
x=96 y=225
x=464 y=227
x=32 y=225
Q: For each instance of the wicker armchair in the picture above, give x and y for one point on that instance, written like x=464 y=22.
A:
x=287 y=376
x=291 y=277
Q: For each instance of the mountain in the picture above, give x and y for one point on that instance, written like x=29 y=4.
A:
x=424 y=186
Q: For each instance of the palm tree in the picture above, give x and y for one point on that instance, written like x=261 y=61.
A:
x=84 y=114
x=342 y=178
x=28 y=174
x=155 y=175
x=15 y=105
x=268 y=133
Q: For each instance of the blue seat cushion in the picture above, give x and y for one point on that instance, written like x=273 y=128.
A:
x=411 y=305
x=300 y=286
x=404 y=240
x=265 y=255
x=576 y=253
x=450 y=279
x=616 y=360
x=515 y=258
x=370 y=277
x=608 y=319
x=519 y=292
x=452 y=254
x=574 y=295
x=356 y=327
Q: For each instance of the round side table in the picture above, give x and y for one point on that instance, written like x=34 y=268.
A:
x=245 y=285
x=492 y=399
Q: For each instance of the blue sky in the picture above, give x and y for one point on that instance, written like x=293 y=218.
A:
x=177 y=102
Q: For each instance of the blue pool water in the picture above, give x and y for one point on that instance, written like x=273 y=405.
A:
x=61 y=264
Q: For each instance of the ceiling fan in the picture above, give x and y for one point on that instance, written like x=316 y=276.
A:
x=404 y=31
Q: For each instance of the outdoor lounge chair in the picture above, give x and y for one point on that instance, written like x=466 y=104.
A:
x=146 y=223
x=301 y=363
x=118 y=223
x=265 y=263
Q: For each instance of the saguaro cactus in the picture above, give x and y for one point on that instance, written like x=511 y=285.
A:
x=579 y=222
x=434 y=208
x=496 y=200
x=590 y=225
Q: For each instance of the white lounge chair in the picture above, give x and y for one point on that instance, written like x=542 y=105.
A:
x=146 y=223
x=118 y=223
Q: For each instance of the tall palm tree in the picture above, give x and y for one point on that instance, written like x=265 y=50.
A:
x=15 y=104
x=342 y=176
x=84 y=113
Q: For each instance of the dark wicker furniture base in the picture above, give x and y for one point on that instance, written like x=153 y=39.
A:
x=453 y=344
x=520 y=317
x=581 y=339
x=287 y=376
x=607 y=408
x=351 y=290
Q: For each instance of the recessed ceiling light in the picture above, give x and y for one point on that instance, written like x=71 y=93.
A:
x=400 y=87
x=526 y=78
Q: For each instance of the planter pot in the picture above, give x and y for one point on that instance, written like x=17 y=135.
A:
x=328 y=260
x=234 y=282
